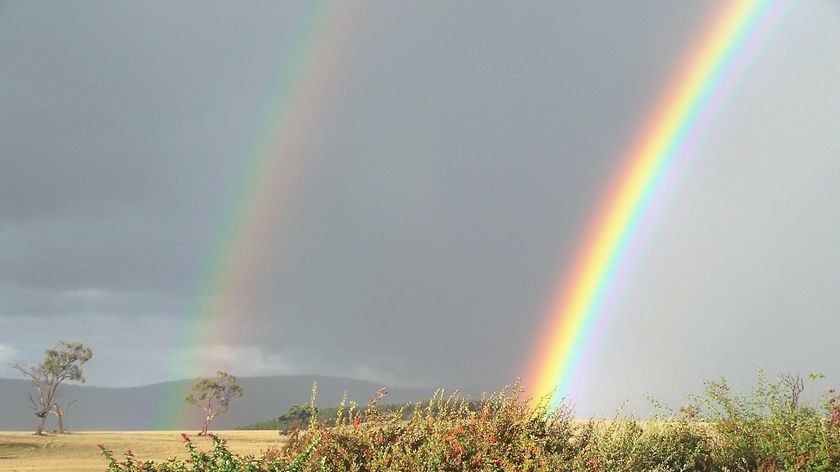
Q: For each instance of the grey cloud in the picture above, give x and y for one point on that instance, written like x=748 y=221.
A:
x=440 y=199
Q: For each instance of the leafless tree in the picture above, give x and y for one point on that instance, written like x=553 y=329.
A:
x=795 y=385
x=62 y=363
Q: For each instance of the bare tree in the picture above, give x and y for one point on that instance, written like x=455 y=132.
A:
x=214 y=396
x=63 y=363
x=795 y=385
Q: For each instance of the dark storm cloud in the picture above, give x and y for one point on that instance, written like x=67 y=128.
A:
x=120 y=130
x=440 y=199
x=28 y=302
x=126 y=126
x=439 y=213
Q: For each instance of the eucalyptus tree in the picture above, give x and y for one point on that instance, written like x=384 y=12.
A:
x=62 y=363
x=214 y=395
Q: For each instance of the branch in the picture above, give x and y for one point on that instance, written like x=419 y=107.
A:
x=39 y=410
x=32 y=400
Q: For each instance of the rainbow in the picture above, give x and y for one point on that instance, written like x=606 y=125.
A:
x=259 y=195
x=684 y=107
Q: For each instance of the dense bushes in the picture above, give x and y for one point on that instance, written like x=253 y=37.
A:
x=769 y=430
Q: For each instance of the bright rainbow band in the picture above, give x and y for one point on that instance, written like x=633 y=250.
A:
x=581 y=298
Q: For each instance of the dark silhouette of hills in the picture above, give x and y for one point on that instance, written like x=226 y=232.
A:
x=142 y=408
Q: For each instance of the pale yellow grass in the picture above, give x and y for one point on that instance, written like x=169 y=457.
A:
x=77 y=452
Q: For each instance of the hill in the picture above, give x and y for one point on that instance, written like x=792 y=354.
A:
x=140 y=408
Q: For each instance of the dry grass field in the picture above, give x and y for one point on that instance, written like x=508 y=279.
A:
x=77 y=452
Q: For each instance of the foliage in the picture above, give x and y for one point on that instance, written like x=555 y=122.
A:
x=219 y=459
x=62 y=363
x=214 y=395
x=769 y=430
x=299 y=414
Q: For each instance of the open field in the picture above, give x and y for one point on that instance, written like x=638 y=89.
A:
x=77 y=452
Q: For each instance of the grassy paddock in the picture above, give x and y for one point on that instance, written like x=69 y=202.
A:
x=77 y=452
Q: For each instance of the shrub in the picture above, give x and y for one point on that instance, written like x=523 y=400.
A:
x=769 y=430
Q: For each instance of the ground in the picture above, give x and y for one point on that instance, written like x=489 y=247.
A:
x=77 y=452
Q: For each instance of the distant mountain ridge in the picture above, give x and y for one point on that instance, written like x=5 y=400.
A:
x=138 y=408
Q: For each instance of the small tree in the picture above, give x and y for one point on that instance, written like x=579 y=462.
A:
x=214 y=396
x=64 y=362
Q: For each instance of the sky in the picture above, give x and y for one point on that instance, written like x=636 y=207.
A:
x=452 y=156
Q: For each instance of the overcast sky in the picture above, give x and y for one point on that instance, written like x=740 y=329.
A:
x=460 y=152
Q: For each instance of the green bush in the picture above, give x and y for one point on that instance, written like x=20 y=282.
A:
x=769 y=430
